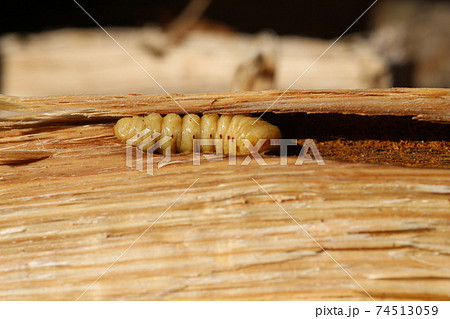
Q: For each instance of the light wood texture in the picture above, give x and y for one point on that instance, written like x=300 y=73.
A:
x=74 y=61
x=421 y=104
x=67 y=216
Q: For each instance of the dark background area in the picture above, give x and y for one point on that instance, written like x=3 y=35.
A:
x=425 y=47
x=323 y=18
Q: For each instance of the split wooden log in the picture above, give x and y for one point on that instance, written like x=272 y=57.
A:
x=215 y=231
x=422 y=104
x=89 y=62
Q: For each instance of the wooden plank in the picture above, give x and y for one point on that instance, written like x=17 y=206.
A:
x=422 y=104
x=66 y=217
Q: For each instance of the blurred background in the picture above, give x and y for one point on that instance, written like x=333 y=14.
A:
x=53 y=47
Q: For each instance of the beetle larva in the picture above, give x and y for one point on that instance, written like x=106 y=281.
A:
x=181 y=132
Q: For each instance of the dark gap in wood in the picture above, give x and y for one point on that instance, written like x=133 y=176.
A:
x=393 y=140
x=333 y=126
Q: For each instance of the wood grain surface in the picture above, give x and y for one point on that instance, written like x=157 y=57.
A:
x=70 y=207
x=421 y=104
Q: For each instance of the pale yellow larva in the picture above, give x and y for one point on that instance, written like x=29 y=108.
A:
x=182 y=131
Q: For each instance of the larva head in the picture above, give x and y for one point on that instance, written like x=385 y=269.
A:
x=261 y=130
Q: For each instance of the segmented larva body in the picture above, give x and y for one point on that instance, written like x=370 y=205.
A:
x=181 y=132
